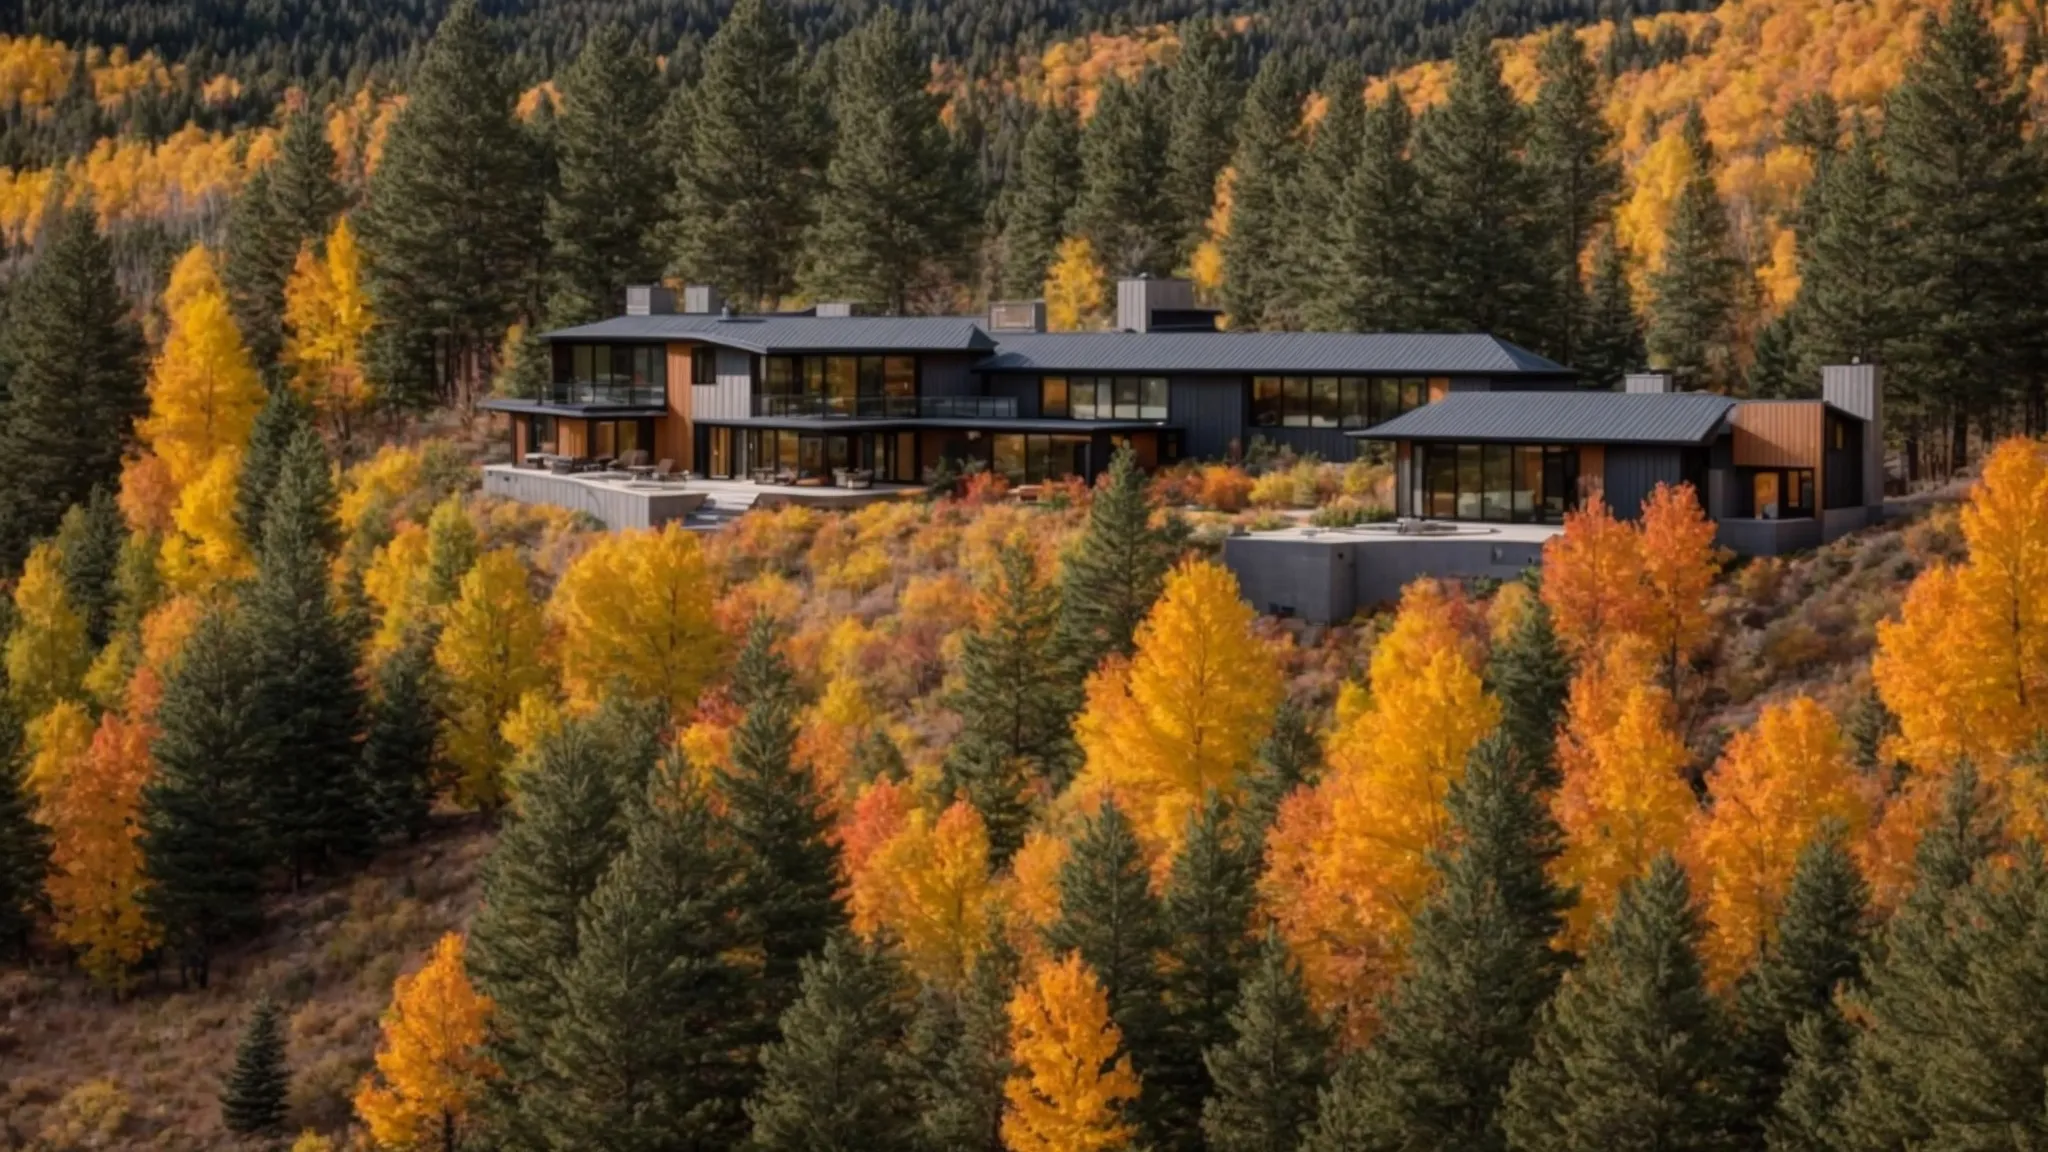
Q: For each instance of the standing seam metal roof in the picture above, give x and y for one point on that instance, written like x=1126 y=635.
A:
x=1680 y=418
x=768 y=334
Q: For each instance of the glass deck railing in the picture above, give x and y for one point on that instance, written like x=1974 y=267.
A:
x=615 y=393
x=889 y=407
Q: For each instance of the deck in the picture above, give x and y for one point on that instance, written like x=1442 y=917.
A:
x=620 y=501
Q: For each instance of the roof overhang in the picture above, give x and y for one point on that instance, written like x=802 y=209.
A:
x=543 y=408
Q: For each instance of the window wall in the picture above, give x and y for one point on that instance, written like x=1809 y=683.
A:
x=609 y=374
x=1502 y=483
x=837 y=386
x=1335 y=401
x=1035 y=459
x=1102 y=397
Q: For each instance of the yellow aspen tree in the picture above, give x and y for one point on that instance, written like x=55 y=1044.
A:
x=1593 y=579
x=94 y=815
x=1348 y=862
x=1031 y=892
x=928 y=888
x=430 y=1062
x=635 y=614
x=1070 y=1079
x=1623 y=800
x=204 y=391
x=1776 y=786
x=396 y=584
x=492 y=649
x=1074 y=295
x=57 y=741
x=1199 y=694
x=327 y=318
x=205 y=551
x=1679 y=567
x=47 y=651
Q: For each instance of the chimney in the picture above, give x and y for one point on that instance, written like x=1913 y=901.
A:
x=1016 y=316
x=1140 y=300
x=1647 y=383
x=839 y=309
x=649 y=300
x=702 y=300
x=1858 y=389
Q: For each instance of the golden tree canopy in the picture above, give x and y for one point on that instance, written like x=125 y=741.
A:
x=430 y=1067
x=1070 y=1082
x=635 y=614
x=204 y=391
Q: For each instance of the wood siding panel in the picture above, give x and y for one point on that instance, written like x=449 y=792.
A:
x=1592 y=472
x=572 y=437
x=519 y=445
x=674 y=436
x=1778 y=435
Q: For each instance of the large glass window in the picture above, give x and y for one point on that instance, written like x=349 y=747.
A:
x=1333 y=401
x=866 y=386
x=1035 y=459
x=1103 y=397
x=1501 y=483
x=609 y=374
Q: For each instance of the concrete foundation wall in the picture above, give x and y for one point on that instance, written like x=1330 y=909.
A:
x=615 y=507
x=1328 y=579
x=1767 y=537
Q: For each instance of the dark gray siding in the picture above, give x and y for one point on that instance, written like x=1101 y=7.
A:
x=1024 y=389
x=1210 y=413
x=1633 y=473
x=946 y=376
x=1842 y=468
x=1325 y=443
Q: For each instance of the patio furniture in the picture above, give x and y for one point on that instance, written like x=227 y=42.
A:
x=785 y=477
x=632 y=459
x=857 y=478
x=762 y=475
x=561 y=465
x=666 y=470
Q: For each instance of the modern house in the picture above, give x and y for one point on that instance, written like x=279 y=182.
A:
x=1482 y=480
x=807 y=399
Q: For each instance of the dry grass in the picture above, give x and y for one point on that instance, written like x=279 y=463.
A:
x=79 y=1070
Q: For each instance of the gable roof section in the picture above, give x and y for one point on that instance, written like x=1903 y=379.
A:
x=1333 y=353
x=1681 y=418
x=772 y=334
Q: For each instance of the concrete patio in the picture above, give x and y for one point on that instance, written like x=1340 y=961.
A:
x=621 y=501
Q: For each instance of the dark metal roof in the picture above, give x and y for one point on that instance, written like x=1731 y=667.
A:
x=991 y=424
x=1353 y=353
x=1681 y=418
x=773 y=333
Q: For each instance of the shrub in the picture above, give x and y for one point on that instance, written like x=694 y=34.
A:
x=1348 y=512
x=1225 y=488
x=89 y=1116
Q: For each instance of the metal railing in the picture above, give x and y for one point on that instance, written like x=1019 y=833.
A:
x=888 y=407
x=614 y=393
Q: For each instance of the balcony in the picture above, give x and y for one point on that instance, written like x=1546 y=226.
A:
x=604 y=394
x=888 y=407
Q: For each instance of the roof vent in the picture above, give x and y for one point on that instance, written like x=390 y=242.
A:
x=649 y=300
x=725 y=312
x=702 y=299
x=1016 y=316
x=1648 y=382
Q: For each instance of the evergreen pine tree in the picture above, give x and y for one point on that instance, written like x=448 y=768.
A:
x=897 y=194
x=401 y=762
x=1571 y=159
x=1479 y=255
x=453 y=220
x=1908 y=997
x=1368 y=245
x=827 y=1086
x=24 y=843
x=957 y=1056
x=304 y=665
x=1630 y=1055
x=1775 y=371
x=282 y=418
x=1611 y=345
x=1335 y=152
x=601 y=221
x=1271 y=1067
x=1016 y=705
x=253 y=1102
x=781 y=830
x=74 y=380
x=1287 y=759
x=1849 y=302
x=1692 y=324
x=1482 y=967
x=752 y=159
x=1967 y=203
x=1819 y=948
x=1266 y=177
x=1817 y=1077
x=1119 y=211
x=304 y=195
x=1042 y=193
x=1115 y=570
x=575 y=799
x=253 y=271
x=202 y=848
x=89 y=540
x=1109 y=915
x=1531 y=677
x=1205 y=93
x=651 y=1046
x=1207 y=909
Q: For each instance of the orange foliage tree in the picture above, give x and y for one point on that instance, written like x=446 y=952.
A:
x=95 y=857
x=1678 y=567
x=1775 y=788
x=1186 y=714
x=430 y=1067
x=1071 y=1080
x=1593 y=578
x=1623 y=800
x=927 y=888
x=1348 y=861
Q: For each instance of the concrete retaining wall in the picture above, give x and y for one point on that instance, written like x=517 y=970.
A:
x=1328 y=579
x=617 y=507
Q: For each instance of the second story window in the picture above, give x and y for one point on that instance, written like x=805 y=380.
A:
x=703 y=366
x=609 y=374
x=1102 y=397
x=1334 y=401
x=865 y=386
